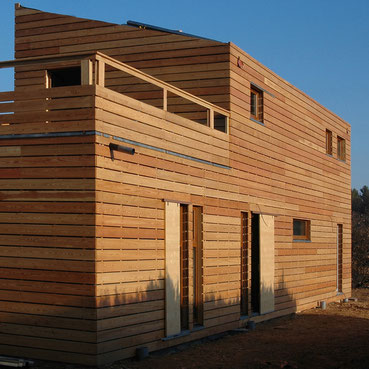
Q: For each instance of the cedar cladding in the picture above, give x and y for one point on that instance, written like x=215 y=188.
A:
x=82 y=235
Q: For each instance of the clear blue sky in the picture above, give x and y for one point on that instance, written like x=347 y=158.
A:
x=320 y=46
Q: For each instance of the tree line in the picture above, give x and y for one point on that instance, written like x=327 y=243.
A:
x=360 y=237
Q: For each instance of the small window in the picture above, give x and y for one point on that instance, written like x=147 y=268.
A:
x=341 y=148
x=301 y=229
x=256 y=104
x=328 y=142
x=64 y=77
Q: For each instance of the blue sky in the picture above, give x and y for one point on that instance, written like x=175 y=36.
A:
x=320 y=46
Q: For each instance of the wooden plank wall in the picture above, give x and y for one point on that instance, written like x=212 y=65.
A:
x=278 y=168
x=274 y=169
x=197 y=65
x=143 y=180
x=47 y=217
x=285 y=159
x=130 y=223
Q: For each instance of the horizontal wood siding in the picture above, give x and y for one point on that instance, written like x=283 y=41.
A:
x=47 y=225
x=196 y=65
x=92 y=219
x=130 y=215
x=286 y=159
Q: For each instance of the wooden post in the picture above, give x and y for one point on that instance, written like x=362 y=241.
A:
x=211 y=118
x=226 y=124
x=165 y=99
x=86 y=72
x=100 y=73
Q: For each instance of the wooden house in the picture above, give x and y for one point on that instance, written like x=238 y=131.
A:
x=158 y=187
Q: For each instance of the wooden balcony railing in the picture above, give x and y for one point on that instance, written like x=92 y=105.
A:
x=94 y=71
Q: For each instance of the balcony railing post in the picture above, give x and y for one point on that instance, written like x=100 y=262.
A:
x=100 y=73
x=86 y=72
x=165 y=99
x=211 y=118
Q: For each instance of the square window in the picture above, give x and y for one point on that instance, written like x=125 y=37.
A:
x=341 y=148
x=301 y=229
x=328 y=142
x=256 y=104
x=64 y=77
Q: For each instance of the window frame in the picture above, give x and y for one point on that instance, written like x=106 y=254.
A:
x=184 y=266
x=259 y=104
x=307 y=230
x=341 y=148
x=328 y=142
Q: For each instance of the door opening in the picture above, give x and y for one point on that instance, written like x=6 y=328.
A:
x=245 y=253
x=255 y=263
x=197 y=266
x=339 y=256
x=184 y=266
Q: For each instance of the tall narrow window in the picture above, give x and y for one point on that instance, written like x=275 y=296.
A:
x=245 y=245
x=339 y=256
x=256 y=104
x=198 y=309
x=328 y=142
x=301 y=229
x=184 y=266
x=255 y=263
x=341 y=148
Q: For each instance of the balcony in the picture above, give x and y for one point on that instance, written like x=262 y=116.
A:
x=88 y=94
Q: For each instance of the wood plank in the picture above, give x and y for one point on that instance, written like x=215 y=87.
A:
x=277 y=168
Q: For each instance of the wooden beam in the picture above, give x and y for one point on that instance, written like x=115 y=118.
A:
x=165 y=99
x=100 y=73
x=45 y=59
x=86 y=72
x=211 y=118
x=145 y=77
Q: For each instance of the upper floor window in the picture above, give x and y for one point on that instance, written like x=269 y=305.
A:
x=341 y=148
x=64 y=77
x=301 y=229
x=328 y=142
x=256 y=103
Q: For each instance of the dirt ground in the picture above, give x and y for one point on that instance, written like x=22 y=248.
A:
x=337 y=337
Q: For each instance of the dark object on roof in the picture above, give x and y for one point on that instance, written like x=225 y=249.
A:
x=155 y=28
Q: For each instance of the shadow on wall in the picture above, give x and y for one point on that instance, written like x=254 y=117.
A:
x=133 y=315
x=322 y=338
x=130 y=320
